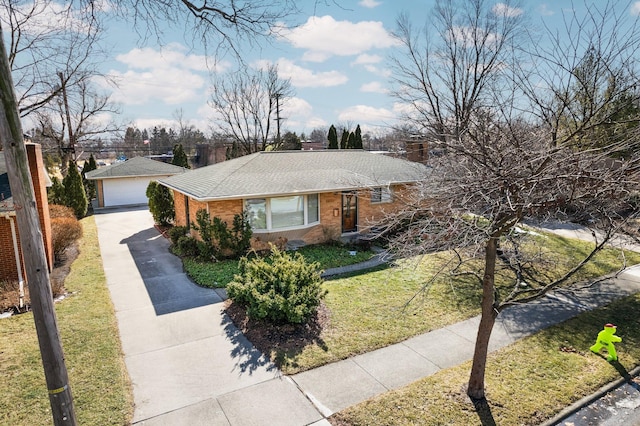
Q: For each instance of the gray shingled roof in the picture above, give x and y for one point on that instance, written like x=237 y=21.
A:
x=291 y=172
x=137 y=166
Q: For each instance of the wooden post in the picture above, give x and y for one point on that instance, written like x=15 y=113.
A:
x=33 y=252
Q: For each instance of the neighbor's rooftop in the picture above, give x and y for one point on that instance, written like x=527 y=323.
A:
x=137 y=166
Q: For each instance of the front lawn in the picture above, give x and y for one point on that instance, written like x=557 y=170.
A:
x=89 y=332
x=369 y=310
x=527 y=382
x=219 y=274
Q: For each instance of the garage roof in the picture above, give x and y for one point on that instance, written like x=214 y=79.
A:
x=290 y=172
x=135 y=167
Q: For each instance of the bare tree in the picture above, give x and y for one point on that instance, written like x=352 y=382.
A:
x=506 y=121
x=47 y=38
x=78 y=114
x=246 y=104
x=217 y=25
x=447 y=69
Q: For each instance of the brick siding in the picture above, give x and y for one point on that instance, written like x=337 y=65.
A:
x=8 y=270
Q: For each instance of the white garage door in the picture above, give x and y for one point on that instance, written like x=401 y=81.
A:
x=126 y=191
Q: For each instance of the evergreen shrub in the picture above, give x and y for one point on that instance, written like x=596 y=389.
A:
x=280 y=288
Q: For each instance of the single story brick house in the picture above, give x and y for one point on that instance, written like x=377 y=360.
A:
x=308 y=196
x=125 y=184
x=11 y=258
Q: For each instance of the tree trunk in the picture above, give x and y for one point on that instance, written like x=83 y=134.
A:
x=475 y=390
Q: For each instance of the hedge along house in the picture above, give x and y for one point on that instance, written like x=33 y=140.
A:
x=125 y=184
x=308 y=196
x=11 y=258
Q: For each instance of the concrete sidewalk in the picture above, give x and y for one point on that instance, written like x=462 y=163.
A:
x=339 y=385
x=190 y=365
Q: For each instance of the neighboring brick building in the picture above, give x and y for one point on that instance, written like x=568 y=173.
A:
x=308 y=196
x=10 y=269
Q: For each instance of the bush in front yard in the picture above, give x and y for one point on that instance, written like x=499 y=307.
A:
x=65 y=232
x=177 y=232
x=280 y=288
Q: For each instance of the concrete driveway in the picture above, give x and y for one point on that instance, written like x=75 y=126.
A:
x=188 y=363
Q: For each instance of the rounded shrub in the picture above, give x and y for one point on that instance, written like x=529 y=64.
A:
x=57 y=210
x=177 y=232
x=280 y=288
x=186 y=246
x=65 y=231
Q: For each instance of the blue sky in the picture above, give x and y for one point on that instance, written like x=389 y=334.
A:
x=337 y=60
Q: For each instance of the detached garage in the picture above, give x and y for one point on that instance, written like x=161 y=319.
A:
x=125 y=184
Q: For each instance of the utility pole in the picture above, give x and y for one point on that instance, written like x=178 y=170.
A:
x=278 y=118
x=69 y=151
x=36 y=268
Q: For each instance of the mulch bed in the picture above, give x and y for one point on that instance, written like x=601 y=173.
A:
x=267 y=337
x=9 y=295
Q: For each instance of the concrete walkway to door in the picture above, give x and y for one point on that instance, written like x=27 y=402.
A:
x=188 y=363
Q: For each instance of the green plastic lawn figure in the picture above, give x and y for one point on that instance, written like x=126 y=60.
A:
x=606 y=338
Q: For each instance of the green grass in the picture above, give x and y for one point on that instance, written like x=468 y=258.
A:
x=370 y=310
x=88 y=329
x=526 y=383
x=219 y=274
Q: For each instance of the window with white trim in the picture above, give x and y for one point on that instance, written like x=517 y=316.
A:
x=381 y=195
x=293 y=211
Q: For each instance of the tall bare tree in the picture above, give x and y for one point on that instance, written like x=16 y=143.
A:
x=504 y=117
x=78 y=114
x=246 y=103
x=448 y=69
x=46 y=38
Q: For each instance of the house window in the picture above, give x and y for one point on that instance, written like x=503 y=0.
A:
x=287 y=211
x=257 y=212
x=312 y=208
x=282 y=212
x=380 y=195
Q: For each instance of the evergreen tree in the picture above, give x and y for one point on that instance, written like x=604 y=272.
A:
x=55 y=194
x=89 y=185
x=351 y=142
x=332 y=137
x=358 y=135
x=74 y=194
x=160 y=203
x=291 y=141
x=344 y=140
x=180 y=157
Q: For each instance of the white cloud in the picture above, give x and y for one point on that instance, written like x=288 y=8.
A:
x=366 y=58
x=544 y=10
x=304 y=77
x=373 y=87
x=167 y=75
x=45 y=17
x=300 y=115
x=323 y=37
x=635 y=8
x=382 y=72
x=502 y=9
x=366 y=114
x=369 y=3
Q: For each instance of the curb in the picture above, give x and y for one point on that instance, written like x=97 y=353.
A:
x=583 y=402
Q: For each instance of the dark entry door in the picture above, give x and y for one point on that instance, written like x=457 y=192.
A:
x=349 y=212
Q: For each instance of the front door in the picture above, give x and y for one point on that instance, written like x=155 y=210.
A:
x=349 y=212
